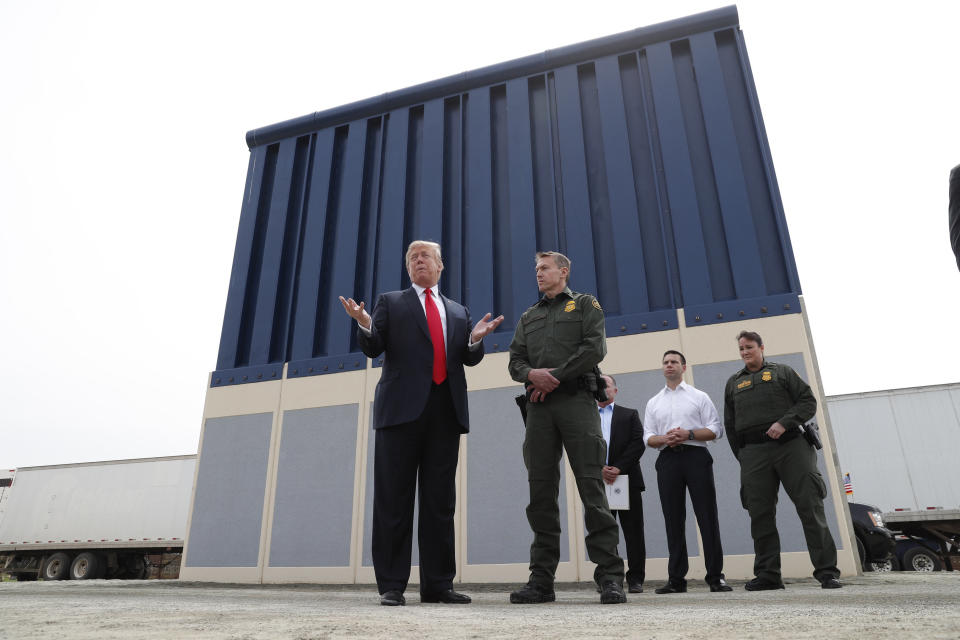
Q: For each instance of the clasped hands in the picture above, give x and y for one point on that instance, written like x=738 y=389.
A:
x=676 y=436
x=541 y=382
x=483 y=328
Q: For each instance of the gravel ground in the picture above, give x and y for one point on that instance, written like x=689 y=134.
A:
x=891 y=605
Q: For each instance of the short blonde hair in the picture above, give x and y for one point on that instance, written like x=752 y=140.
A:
x=562 y=261
x=416 y=244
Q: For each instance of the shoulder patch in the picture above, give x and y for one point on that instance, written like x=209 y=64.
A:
x=570 y=306
x=597 y=304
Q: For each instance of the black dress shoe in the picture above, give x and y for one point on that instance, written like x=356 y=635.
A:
x=635 y=587
x=759 y=584
x=720 y=586
x=392 y=599
x=671 y=588
x=830 y=583
x=446 y=597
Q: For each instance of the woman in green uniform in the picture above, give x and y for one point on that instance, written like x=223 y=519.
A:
x=765 y=404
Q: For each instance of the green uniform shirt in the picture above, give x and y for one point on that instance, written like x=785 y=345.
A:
x=565 y=334
x=774 y=393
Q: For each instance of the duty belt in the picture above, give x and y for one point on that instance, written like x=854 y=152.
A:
x=759 y=436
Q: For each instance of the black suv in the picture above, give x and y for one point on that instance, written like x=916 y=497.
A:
x=875 y=543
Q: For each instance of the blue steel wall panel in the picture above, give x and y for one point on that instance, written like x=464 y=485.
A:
x=478 y=176
x=642 y=156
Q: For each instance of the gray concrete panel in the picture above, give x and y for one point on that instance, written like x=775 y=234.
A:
x=228 y=501
x=497 y=493
x=313 y=504
x=734 y=521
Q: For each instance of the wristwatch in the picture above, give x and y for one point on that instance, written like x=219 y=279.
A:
x=690 y=437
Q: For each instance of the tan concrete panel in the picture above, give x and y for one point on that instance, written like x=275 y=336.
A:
x=491 y=373
x=238 y=575
x=242 y=399
x=626 y=354
x=319 y=575
x=323 y=391
x=718 y=342
x=517 y=573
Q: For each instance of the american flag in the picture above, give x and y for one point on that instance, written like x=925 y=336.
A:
x=846 y=484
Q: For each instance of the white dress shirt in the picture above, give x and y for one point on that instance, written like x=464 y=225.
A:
x=435 y=292
x=684 y=407
x=606 y=419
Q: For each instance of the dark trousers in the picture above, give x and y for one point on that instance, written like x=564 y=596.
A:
x=689 y=468
x=631 y=521
x=570 y=423
x=763 y=467
x=426 y=450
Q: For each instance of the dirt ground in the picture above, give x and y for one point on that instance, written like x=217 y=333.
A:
x=890 y=605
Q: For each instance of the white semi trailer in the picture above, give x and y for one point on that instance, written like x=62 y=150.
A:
x=899 y=449
x=115 y=519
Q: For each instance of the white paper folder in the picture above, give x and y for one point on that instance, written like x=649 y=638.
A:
x=618 y=493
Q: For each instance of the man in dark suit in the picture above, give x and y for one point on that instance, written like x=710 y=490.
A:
x=623 y=433
x=419 y=412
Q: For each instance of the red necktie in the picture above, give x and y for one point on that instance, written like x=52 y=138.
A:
x=436 y=336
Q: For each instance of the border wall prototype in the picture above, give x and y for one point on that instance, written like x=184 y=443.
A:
x=642 y=156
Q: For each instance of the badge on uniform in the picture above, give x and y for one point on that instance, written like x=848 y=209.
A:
x=596 y=304
x=767 y=376
x=570 y=306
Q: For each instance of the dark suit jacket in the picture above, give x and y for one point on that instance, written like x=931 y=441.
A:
x=399 y=330
x=626 y=445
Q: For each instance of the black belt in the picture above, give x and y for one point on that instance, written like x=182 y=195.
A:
x=680 y=448
x=757 y=436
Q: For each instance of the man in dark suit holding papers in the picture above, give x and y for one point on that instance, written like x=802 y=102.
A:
x=623 y=433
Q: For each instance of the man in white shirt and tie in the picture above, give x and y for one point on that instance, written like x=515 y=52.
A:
x=679 y=421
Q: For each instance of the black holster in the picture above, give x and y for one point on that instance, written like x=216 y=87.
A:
x=811 y=432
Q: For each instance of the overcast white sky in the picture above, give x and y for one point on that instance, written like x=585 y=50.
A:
x=123 y=164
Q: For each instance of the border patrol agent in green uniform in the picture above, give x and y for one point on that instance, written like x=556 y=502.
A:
x=557 y=344
x=765 y=405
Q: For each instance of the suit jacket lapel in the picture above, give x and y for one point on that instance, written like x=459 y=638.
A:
x=416 y=309
x=451 y=319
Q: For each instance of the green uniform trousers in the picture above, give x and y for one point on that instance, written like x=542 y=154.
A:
x=573 y=423
x=763 y=467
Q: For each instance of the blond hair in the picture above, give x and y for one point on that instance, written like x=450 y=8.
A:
x=562 y=261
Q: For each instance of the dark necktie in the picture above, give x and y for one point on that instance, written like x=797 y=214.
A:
x=436 y=336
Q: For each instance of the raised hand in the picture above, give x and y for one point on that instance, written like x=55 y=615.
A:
x=484 y=327
x=357 y=312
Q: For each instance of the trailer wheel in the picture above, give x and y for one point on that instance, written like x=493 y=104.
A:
x=134 y=567
x=921 y=559
x=884 y=565
x=87 y=566
x=56 y=567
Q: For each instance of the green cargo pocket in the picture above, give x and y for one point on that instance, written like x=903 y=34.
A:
x=819 y=485
x=591 y=459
